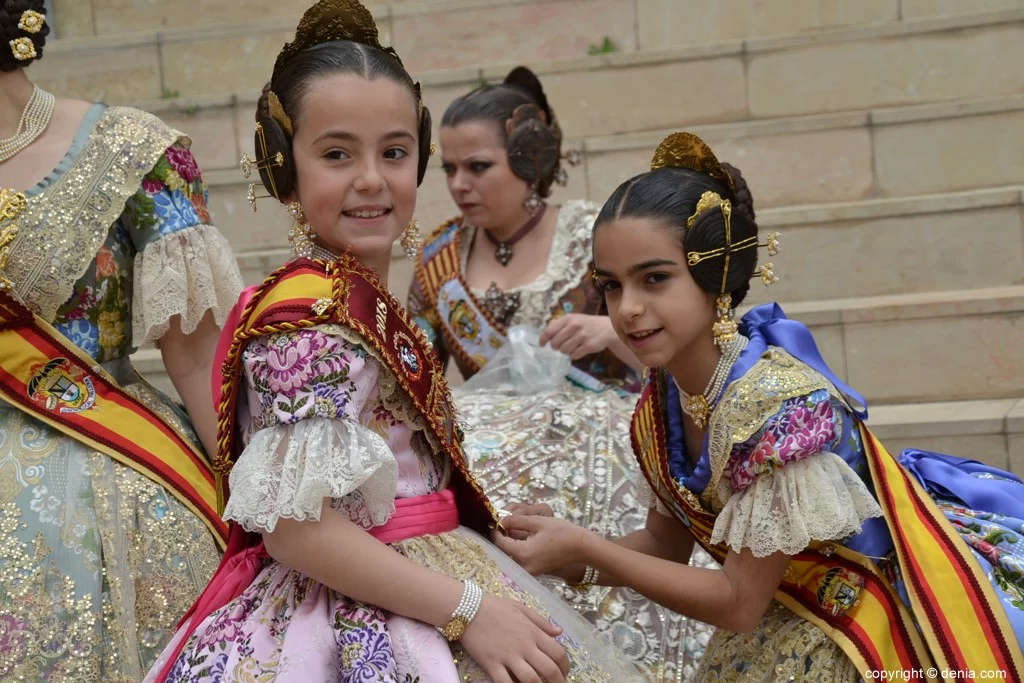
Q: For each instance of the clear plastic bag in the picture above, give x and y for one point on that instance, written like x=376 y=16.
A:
x=521 y=366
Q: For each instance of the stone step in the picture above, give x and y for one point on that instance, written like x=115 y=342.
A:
x=913 y=348
x=650 y=23
x=890 y=155
x=876 y=247
x=991 y=431
x=879 y=65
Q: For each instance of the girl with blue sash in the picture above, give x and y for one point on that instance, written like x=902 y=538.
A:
x=840 y=561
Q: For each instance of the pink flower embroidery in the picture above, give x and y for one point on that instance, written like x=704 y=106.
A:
x=289 y=363
x=152 y=185
x=182 y=161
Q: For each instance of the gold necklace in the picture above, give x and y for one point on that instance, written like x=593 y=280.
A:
x=35 y=118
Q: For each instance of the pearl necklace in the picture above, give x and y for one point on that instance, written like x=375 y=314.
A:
x=35 y=118
x=323 y=253
x=699 y=406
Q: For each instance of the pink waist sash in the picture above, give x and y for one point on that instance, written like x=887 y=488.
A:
x=434 y=513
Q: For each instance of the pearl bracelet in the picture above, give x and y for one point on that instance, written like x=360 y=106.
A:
x=469 y=605
x=589 y=579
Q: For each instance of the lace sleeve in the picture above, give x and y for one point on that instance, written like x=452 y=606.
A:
x=819 y=498
x=648 y=499
x=288 y=470
x=786 y=487
x=183 y=265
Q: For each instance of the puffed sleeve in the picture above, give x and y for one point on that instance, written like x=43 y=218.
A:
x=309 y=388
x=786 y=487
x=183 y=265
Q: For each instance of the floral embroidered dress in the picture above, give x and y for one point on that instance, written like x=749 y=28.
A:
x=784 y=465
x=324 y=418
x=97 y=562
x=567 y=446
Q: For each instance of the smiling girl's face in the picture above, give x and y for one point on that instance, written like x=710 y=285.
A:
x=654 y=304
x=356 y=155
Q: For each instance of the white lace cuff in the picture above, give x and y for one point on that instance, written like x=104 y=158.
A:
x=185 y=273
x=288 y=471
x=648 y=499
x=819 y=498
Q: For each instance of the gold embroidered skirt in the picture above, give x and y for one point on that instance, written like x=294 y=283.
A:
x=570 y=447
x=783 y=647
x=97 y=563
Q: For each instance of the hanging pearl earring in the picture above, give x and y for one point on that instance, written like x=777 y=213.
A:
x=411 y=239
x=533 y=203
x=300 y=235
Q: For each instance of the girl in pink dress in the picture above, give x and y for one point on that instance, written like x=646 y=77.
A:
x=348 y=559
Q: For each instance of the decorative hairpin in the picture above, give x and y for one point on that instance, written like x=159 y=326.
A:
x=265 y=162
x=23 y=49
x=31 y=21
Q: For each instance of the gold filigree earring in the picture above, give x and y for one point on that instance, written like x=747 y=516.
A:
x=300 y=235
x=725 y=328
x=411 y=239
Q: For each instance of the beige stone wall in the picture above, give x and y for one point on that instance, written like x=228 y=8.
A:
x=883 y=138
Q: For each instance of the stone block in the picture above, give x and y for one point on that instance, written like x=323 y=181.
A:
x=428 y=38
x=927 y=9
x=956 y=356
x=950 y=154
x=897 y=255
x=72 y=19
x=670 y=23
x=897 y=70
x=647 y=96
x=118 y=76
x=206 y=65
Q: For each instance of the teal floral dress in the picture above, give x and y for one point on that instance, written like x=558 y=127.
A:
x=98 y=562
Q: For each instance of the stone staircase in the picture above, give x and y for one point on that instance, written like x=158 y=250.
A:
x=883 y=138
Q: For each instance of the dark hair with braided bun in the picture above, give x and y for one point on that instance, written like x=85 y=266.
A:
x=10 y=16
x=293 y=79
x=671 y=195
x=534 y=145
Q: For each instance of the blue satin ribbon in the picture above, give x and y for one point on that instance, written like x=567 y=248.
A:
x=959 y=481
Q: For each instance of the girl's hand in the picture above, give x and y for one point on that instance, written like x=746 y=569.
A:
x=513 y=643
x=578 y=334
x=541 y=544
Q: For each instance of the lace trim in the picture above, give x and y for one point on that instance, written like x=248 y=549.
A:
x=567 y=264
x=820 y=498
x=647 y=499
x=287 y=471
x=185 y=273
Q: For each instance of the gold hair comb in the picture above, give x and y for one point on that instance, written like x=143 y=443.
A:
x=265 y=161
x=686 y=150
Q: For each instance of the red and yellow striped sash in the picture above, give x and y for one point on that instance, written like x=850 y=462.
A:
x=48 y=377
x=305 y=293
x=957 y=608
x=842 y=592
